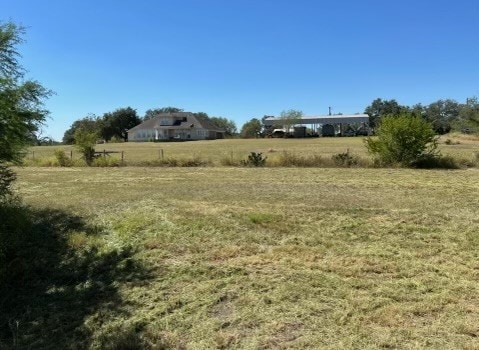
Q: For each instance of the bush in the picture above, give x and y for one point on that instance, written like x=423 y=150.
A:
x=85 y=142
x=345 y=159
x=255 y=159
x=175 y=162
x=106 y=162
x=62 y=158
x=290 y=159
x=432 y=161
x=402 y=140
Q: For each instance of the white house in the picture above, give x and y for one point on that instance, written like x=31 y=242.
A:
x=175 y=126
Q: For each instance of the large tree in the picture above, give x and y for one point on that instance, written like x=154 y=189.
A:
x=21 y=100
x=152 y=113
x=229 y=126
x=379 y=108
x=441 y=114
x=90 y=123
x=117 y=123
x=251 y=129
x=21 y=105
x=469 y=114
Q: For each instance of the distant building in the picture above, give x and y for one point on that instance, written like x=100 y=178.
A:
x=175 y=126
x=326 y=125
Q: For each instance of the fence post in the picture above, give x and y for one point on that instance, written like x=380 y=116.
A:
x=71 y=154
x=122 y=156
x=161 y=154
x=104 y=153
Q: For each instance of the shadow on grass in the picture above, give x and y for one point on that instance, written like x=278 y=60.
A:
x=51 y=289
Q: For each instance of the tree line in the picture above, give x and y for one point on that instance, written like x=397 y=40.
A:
x=114 y=126
x=443 y=115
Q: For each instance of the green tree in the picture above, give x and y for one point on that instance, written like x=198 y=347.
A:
x=229 y=126
x=202 y=115
x=117 y=123
x=21 y=102
x=402 y=140
x=379 y=108
x=441 y=114
x=90 y=123
x=469 y=114
x=152 y=113
x=251 y=129
x=85 y=141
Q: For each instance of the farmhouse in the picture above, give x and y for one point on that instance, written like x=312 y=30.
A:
x=175 y=126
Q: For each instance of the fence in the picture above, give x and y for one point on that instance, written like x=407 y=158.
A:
x=49 y=152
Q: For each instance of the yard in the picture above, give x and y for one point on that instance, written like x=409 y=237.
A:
x=249 y=258
x=216 y=152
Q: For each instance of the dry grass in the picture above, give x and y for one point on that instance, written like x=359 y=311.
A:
x=231 y=152
x=275 y=257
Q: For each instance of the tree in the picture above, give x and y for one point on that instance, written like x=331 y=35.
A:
x=290 y=118
x=469 y=114
x=379 y=108
x=202 y=115
x=90 y=123
x=117 y=123
x=441 y=115
x=229 y=126
x=251 y=129
x=152 y=113
x=403 y=140
x=21 y=101
x=85 y=141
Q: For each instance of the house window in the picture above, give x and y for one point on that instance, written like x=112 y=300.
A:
x=165 y=121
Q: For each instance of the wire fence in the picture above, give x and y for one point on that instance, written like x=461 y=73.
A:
x=72 y=154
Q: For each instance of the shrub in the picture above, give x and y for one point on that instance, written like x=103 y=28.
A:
x=434 y=161
x=85 y=141
x=345 y=159
x=290 y=159
x=106 y=162
x=62 y=158
x=402 y=140
x=230 y=161
x=255 y=159
x=176 y=162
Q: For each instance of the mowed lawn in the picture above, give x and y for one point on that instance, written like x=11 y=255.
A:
x=259 y=258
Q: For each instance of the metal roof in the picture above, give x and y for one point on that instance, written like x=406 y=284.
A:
x=324 y=119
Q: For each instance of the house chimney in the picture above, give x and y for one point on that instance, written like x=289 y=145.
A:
x=329 y=110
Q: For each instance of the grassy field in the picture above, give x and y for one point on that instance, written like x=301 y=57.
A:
x=461 y=146
x=250 y=258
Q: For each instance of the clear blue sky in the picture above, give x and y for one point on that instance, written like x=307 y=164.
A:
x=246 y=58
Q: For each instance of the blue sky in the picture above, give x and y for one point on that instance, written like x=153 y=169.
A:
x=246 y=58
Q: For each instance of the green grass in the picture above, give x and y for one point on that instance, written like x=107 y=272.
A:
x=249 y=258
